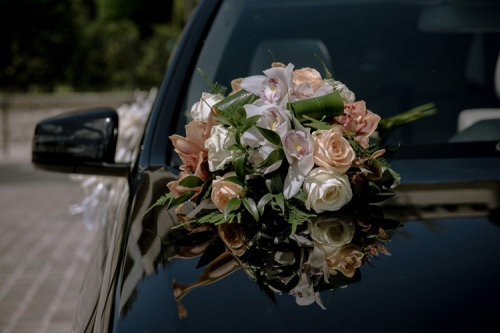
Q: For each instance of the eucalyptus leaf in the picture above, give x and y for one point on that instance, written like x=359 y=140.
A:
x=181 y=199
x=251 y=207
x=231 y=205
x=271 y=136
x=191 y=182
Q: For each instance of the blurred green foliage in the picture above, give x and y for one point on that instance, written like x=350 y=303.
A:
x=86 y=45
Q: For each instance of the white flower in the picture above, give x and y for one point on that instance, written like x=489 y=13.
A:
x=218 y=154
x=344 y=92
x=331 y=232
x=326 y=190
x=201 y=110
x=273 y=87
x=298 y=145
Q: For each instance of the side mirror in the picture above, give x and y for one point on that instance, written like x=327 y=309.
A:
x=81 y=142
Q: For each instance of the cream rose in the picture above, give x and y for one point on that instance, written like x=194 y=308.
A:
x=223 y=191
x=326 y=190
x=201 y=110
x=332 y=151
x=309 y=75
x=216 y=144
x=331 y=232
x=345 y=260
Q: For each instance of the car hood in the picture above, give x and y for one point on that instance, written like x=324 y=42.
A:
x=441 y=274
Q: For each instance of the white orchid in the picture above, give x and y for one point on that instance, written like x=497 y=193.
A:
x=298 y=145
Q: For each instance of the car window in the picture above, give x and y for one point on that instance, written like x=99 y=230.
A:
x=395 y=55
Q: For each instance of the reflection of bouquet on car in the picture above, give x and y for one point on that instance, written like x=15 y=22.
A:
x=282 y=171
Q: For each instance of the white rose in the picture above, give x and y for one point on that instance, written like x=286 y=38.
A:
x=344 y=92
x=201 y=110
x=217 y=144
x=326 y=190
x=331 y=232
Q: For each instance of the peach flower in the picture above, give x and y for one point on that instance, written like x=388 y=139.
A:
x=359 y=120
x=332 y=151
x=345 y=260
x=309 y=75
x=223 y=191
x=190 y=147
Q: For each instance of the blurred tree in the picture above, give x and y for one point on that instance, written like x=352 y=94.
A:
x=37 y=42
x=145 y=13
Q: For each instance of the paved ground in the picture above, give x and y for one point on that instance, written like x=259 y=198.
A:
x=44 y=250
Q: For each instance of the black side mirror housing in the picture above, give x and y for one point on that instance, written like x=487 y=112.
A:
x=81 y=142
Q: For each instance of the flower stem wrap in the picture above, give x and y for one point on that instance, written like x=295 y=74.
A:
x=232 y=102
x=330 y=106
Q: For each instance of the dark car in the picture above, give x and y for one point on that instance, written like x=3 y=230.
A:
x=443 y=273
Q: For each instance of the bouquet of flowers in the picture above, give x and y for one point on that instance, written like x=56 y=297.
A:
x=280 y=175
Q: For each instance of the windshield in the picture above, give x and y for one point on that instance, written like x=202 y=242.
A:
x=393 y=55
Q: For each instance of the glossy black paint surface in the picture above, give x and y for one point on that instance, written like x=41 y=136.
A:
x=442 y=275
x=79 y=142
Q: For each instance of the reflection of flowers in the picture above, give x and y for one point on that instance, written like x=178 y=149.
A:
x=345 y=260
x=233 y=235
x=330 y=232
x=282 y=172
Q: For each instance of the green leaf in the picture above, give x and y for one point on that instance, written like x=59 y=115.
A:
x=328 y=75
x=229 y=104
x=249 y=122
x=329 y=106
x=215 y=88
x=317 y=124
x=231 y=205
x=191 y=182
x=225 y=121
x=236 y=180
x=239 y=166
x=181 y=199
x=237 y=136
x=271 y=136
x=251 y=207
x=236 y=146
x=263 y=202
x=275 y=156
x=275 y=183
x=240 y=115
x=280 y=200
x=167 y=197
x=301 y=196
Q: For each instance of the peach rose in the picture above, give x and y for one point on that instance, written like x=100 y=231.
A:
x=358 y=119
x=332 y=151
x=345 y=260
x=234 y=237
x=223 y=191
x=309 y=75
